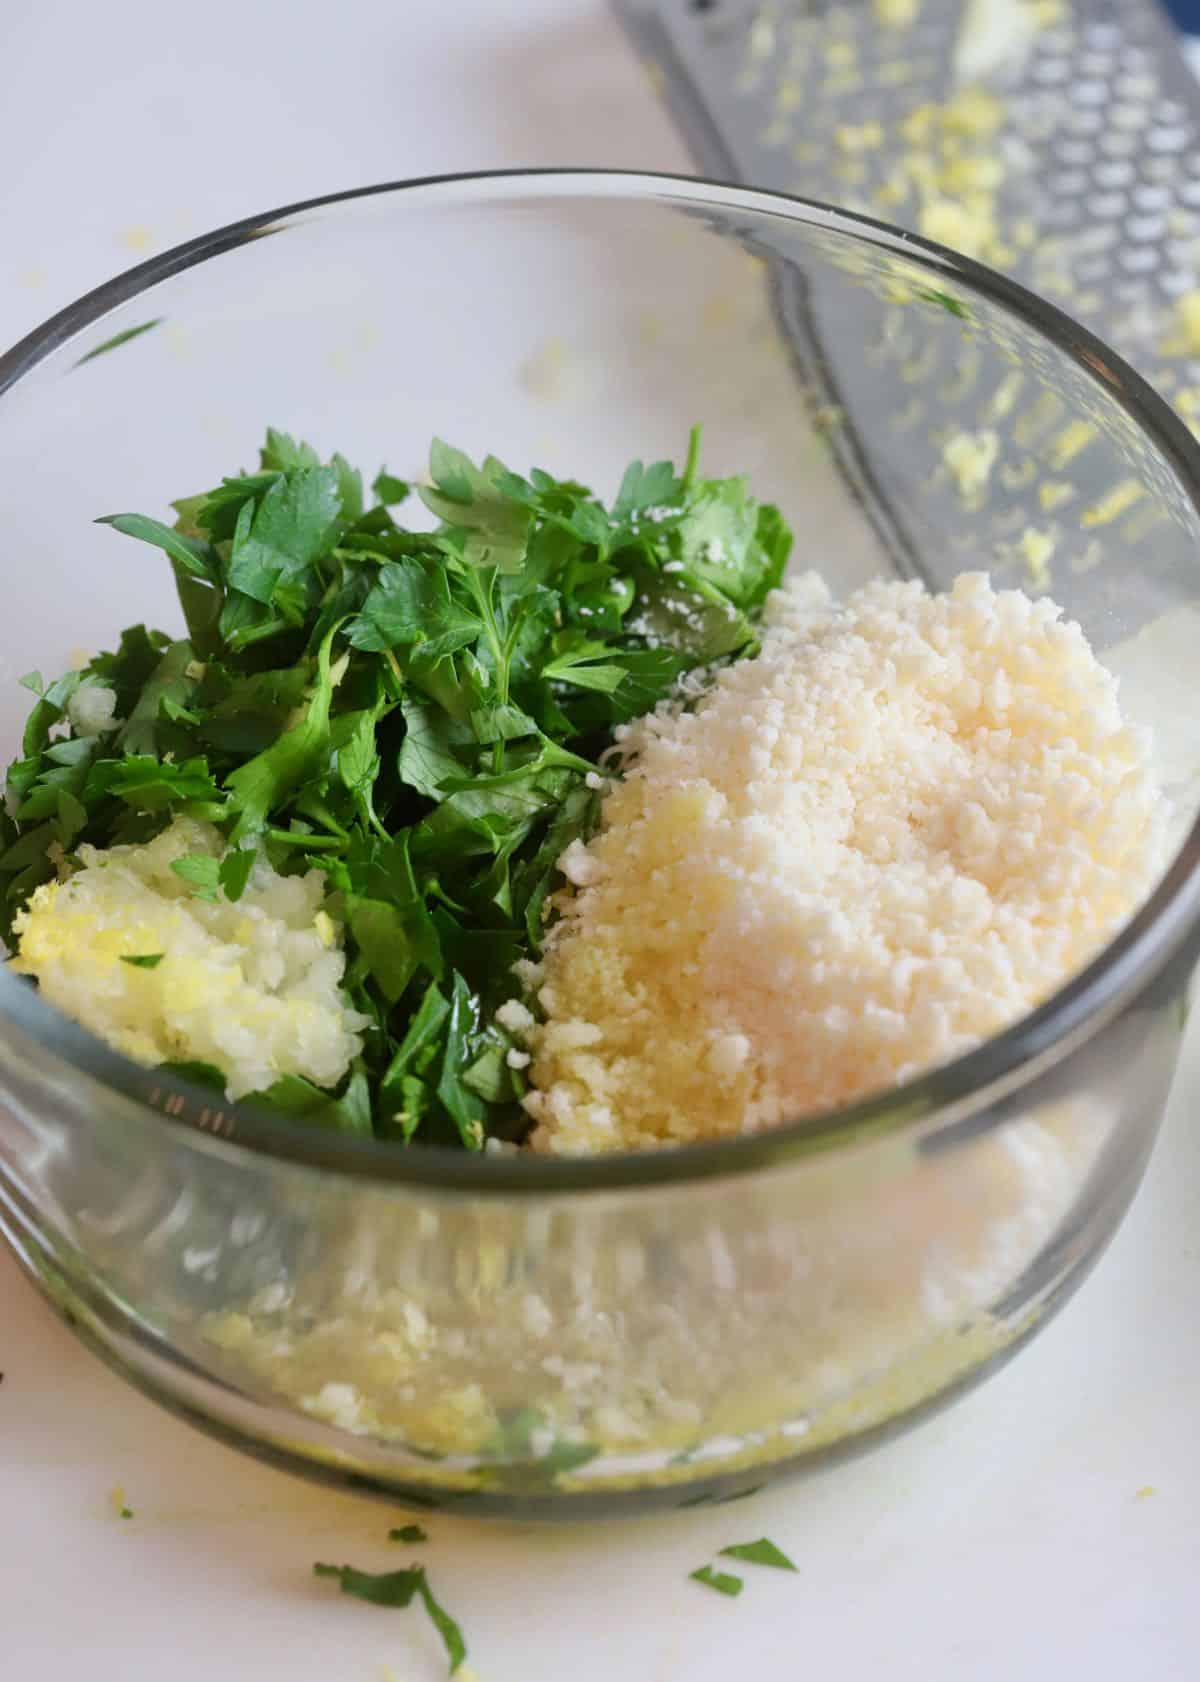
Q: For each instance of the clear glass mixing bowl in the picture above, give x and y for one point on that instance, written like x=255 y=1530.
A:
x=556 y=1336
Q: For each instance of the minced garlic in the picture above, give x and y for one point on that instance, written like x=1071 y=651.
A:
x=252 y=987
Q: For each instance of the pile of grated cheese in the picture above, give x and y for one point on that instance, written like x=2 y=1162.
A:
x=886 y=837
x=252 y=987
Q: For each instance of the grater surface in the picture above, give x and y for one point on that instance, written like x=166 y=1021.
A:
x=1059 y=143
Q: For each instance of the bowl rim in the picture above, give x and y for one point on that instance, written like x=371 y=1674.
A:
x=930 y=1102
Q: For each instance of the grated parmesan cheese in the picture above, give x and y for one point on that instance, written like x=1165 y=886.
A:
x=885 y=838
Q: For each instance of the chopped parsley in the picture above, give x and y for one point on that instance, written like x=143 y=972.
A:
x=418 y=714
x=952 y=305
x=723 y=1581
x=408 y=1533
x=526 y=1453
x=118 y=339
x=399 y=1589
x=201 y=873
x=143 y=960
x=762 y=1552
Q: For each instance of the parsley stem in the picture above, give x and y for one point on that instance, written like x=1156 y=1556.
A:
x=310 y=843
x=692 y=465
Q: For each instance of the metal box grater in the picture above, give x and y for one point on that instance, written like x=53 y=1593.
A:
x=1060 y=146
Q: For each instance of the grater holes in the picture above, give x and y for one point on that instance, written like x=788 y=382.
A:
x=1167 y=138
x=1137 y=259
x=1072 y=182
x=1170 y=111
x=1076 y=152
x=1101 y=144
x=1092 y=269
x=1184 y=225
x=1036 y=126
x=1145 y=227
x=1133 y=85
x=1051 y=70
x=1107 y=205
x=1149 y=198
x=1183 y=257
x=1097 y=238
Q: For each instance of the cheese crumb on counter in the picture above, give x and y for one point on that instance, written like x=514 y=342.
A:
x=252 y=987
x=888 y=836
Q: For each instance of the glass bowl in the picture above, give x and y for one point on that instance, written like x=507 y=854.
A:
x=556 y=1336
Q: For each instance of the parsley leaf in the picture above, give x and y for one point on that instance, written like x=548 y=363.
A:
x=427 y=760
x=284 y=454
x=168 y=686
x=762 y=1552
x=471 y=499
x=234 y=870
x=277 y=539
x=400 y=1589
x=462 y=1048
x=404 y=1097
x=150 y=784
x=389 y=490
x=952 y=306
x=521 y=1462
x=143 y=960
x=202 y=873
x=263 y=782
x=644 y=488
x=412 y=605
x=584 y=666
x=408 y=1533
x=726 y=541
x=723 y=1581
x=195 y=557
x=293 y=1096
x=118 y=339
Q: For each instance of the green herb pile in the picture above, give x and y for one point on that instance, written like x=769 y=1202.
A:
x=413 y=711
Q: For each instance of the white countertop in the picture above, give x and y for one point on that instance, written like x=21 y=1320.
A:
x=1044 y=1528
